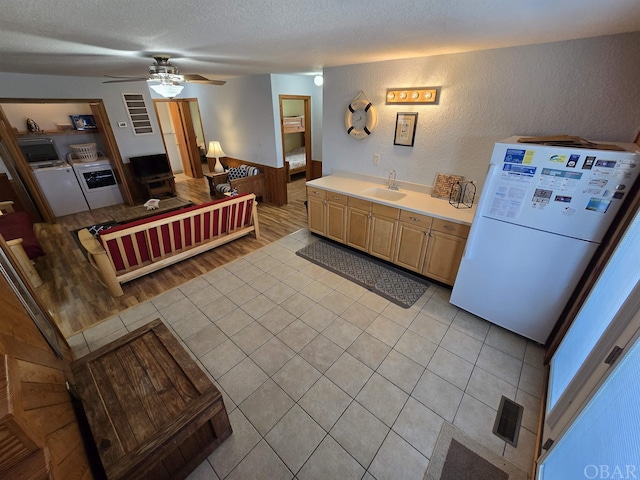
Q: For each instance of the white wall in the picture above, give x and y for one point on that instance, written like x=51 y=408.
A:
x=239 y=115
x=298 y=85
x=584 y=87
x=589 y=88
x=47 y=116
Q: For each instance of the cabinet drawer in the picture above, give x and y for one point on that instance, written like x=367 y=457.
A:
x=316 y=193
x=334 y=197
x=385 y=211
x=415 y=219
x=361 y=204
x=452 y=228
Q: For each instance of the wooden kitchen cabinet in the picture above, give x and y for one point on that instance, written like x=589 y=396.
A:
x=432 y=247
x=444 y=251
x=336 y=221
x=327 y=213
x=358 y=213
x=371 y=227
x=316 y=214
x=382 y=228
x=412 y=240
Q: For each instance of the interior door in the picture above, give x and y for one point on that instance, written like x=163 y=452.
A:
x=186 y=138
x=168 y=134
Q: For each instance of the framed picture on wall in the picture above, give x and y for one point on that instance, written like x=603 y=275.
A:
x=405 y=129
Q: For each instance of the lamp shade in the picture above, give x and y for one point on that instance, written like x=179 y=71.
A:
x=215 y=151
x=167 y=90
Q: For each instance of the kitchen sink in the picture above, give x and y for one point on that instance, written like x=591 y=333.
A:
x=384 y=194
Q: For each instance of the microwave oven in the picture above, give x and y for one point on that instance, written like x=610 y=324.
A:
x=39 y=149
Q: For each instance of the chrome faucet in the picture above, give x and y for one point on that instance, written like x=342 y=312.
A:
x=393 y=185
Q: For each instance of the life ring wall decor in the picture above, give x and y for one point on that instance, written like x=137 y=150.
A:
x=360 y=119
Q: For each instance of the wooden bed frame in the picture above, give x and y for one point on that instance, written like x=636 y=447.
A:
x=293 y=124
x=293 y=171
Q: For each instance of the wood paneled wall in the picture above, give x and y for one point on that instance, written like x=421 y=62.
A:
x=275 y=180
x=36 y=415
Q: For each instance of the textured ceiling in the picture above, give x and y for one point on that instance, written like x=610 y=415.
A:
x=244 y=37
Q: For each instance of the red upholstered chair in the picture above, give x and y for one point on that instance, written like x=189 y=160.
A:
x=17 y=230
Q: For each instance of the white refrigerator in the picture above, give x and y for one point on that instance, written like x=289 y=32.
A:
x=542 y=213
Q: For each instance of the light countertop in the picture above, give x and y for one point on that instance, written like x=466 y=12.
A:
x=415 y=200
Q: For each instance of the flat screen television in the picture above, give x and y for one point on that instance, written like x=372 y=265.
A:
x=150 y=165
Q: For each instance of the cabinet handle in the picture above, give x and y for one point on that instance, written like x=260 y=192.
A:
x=449 y=227
x=336 y=197
x=315 y=192
x=415 y=219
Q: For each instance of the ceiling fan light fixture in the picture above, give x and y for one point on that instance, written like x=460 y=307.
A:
x=167 y=90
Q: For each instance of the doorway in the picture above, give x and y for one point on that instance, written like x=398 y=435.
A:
x=295 y=127
x=51 y=116
x=182 y=135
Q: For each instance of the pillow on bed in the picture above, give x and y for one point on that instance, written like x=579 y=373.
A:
x=297 y=151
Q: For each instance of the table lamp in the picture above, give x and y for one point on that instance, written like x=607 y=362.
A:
x=215 y=151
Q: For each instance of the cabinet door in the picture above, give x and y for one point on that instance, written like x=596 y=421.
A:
x=358 y=228
x=411 y=246
x=316 y=214
x=411 y=240
x=382 y=235
x=336 y=221
x=444 y=253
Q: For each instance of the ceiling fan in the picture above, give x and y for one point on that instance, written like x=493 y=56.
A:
x=168 y=75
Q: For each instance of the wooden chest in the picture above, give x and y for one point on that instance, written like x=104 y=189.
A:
x=153 y=413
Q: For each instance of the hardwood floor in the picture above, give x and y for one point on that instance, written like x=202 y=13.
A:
x=75 y=298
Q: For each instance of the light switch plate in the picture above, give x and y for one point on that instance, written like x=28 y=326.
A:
x=122 y=124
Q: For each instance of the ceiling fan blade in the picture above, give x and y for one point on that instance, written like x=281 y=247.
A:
x=124 y=79
x=195 y=78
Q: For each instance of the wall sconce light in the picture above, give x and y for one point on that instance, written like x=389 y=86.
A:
x=412 y=95
x=215 y=152
x=318 y=80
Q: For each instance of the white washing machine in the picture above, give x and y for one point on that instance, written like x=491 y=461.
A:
x=60 y=187
x=98 y=182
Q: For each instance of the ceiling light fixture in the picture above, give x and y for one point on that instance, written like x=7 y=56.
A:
x=167 y=89
x=318 y=80
x=412 y=95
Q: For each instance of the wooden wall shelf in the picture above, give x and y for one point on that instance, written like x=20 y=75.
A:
x=55 y=132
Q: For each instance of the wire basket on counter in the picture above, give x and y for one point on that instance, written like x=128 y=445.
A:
x=85 y=151
x=462 y=194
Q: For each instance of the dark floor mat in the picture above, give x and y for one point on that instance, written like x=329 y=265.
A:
x=395 y=285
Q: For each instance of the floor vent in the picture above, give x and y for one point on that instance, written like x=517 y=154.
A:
x=507 y=424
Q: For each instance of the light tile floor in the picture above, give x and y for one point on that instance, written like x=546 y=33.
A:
x=325 y=380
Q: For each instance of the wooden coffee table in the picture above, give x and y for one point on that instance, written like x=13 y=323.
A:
x=136 y=213
x=153 y=412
